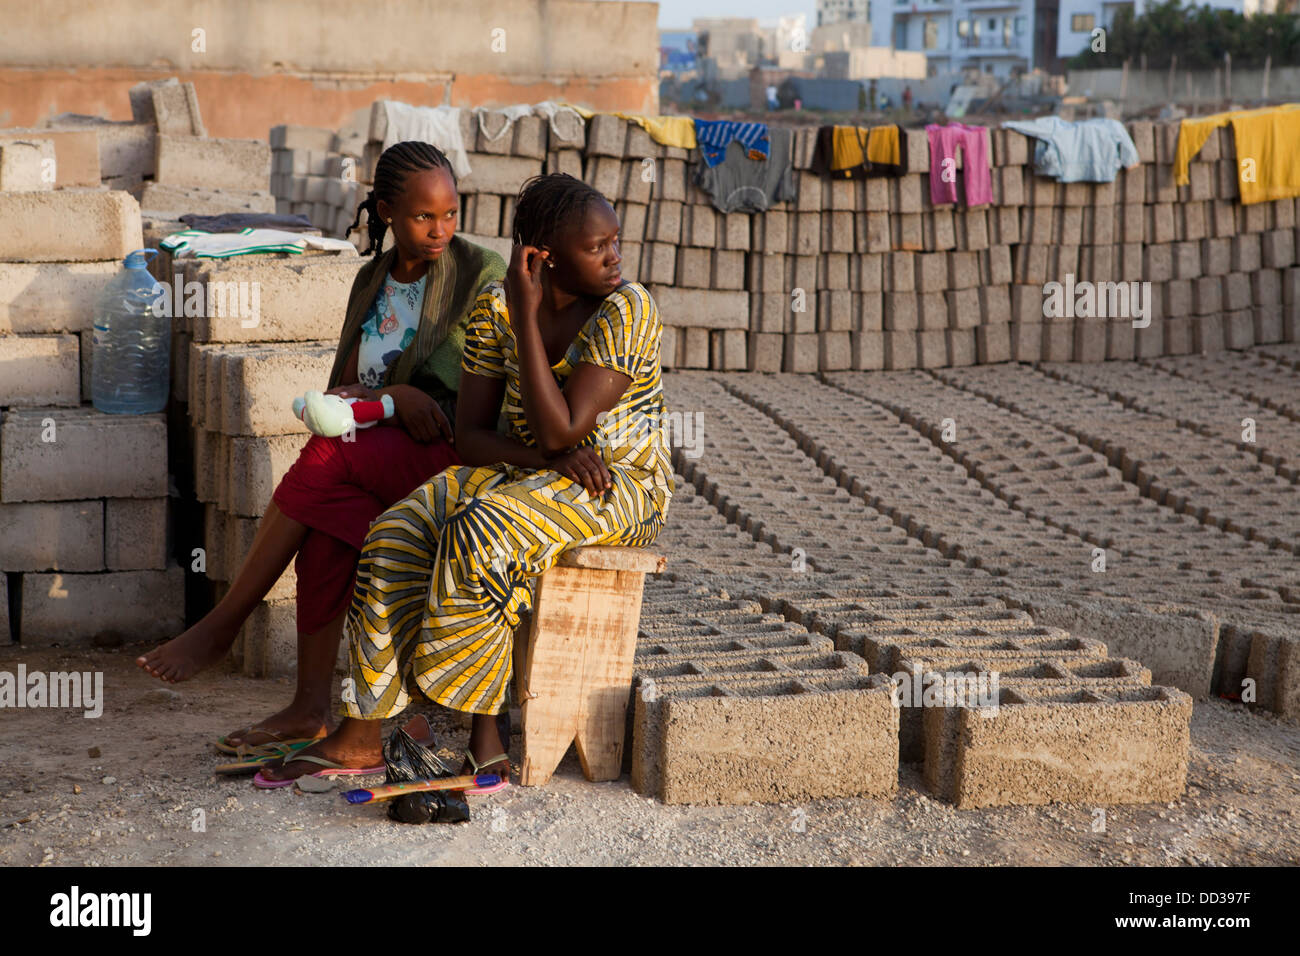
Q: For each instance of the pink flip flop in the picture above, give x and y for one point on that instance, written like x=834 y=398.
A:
x=332 y=769
x=478 y=769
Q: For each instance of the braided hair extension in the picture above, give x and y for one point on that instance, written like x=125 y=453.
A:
x=548 y=203
x=394 y=166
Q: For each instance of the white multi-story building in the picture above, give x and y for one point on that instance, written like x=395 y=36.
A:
x=999 y=36
x=838 y=11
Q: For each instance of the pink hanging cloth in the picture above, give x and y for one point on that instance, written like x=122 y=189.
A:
x=977 y=175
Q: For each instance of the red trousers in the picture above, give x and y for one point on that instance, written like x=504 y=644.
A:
x=337 y=488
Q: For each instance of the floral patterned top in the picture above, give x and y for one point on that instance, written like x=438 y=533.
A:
x=389 y=328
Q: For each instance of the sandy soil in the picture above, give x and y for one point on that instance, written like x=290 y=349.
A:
x=134 y=802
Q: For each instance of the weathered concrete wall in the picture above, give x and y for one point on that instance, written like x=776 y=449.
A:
x=259 y=64
x=1155 y=87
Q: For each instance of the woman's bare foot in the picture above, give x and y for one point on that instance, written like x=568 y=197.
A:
x=355 y=745
x=182 y=657
x=292 y=723
x=485 y=741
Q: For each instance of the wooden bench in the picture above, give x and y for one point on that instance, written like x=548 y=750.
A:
x=573 y=667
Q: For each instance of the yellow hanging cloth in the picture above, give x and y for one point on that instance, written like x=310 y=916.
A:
x=665 y=130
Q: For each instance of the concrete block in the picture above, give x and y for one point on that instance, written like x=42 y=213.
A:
x=503 y=175
x=271 y=298
x=961 y=347
x=905 y=232
x=972 y=229
x=1187 y=260
x=1277 y=248
x=664 y=222
x=993 y=343
x=1026 y=304
x=700 y=227
x=867 y=273
x=901 y=311
x=937 y=230
x=237 y=164
x=1269 y=326
x=68 y=224
x=900 y=272
x=27 y=166
x=766 y=351
x=255 y=465
x=671 y=184
x=702 y=308
x=1239 y=329
x=606 y=135
x=40 y=370
x=70 y=609
x=994 y=304
x=603 y=173
x=1266 y=286
x=1089 y=340
x=867 y=349
x=692 y=347
x=835 y=312
x=136 y=534
x=802 y=352
x=59 y=454
x=76 y=153
x=931 y=348
x=876 y=232
x=1207 y=333
x=703 y=758
x=171 y=106
x=728 y=350
x=900 y=349
x=869 y=307
x=51 y=536
x=174 y=201
x=767 y=312
x=693 y=268
x=1004 y=226
x=1121 y=340
x=1029 y=263
x=1208 y=295
x=735 y=231
x=962 y=308
x=906 y=195
x=1027 y=341
x=932 y=310
x=963 y=270
x=833 y=271
x=1058 y=341
x=1178 y=335
x=1080 y=746
x=257 y=385
x=931 y=272
x=834 y=351
x=658 y=262
x=918 y=150
x=805 y=238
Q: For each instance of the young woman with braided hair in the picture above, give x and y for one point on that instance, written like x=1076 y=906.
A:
x=402 y=337
x=573 y=350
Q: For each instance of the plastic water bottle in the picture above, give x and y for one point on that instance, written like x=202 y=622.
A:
x=132 y=342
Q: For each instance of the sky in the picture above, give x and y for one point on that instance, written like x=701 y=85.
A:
x=680 y=13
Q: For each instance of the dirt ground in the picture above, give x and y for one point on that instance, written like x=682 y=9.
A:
x=134 y=803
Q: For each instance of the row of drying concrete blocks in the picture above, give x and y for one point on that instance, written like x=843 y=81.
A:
x=733 y=705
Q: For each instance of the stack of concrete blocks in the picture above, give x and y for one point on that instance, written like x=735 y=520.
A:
x=193 y=173
x=243 y=374
x=313 y=176
x=83 y=494
x=673 y=241
x=1218 y=270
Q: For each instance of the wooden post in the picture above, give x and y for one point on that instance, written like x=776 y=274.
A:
x=1268 y=64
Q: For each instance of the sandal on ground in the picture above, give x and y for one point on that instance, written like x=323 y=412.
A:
x=266 y=754
x=331 y=769
x=266 y=748
x=481 y=768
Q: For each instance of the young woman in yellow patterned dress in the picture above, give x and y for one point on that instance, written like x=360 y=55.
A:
x=569 y=354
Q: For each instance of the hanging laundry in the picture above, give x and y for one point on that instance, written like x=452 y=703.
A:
x=1088 y=151
x=565 y=121
x=1275 y=172
x=223 y=245
x=676 y=131
x=856 y=152
x=439 y=125
x=714 y=136
x=742 y=184
x=977 y=174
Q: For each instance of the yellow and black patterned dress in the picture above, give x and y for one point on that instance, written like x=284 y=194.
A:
x=445 y=572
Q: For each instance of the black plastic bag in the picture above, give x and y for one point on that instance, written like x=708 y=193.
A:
x=405 y=761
